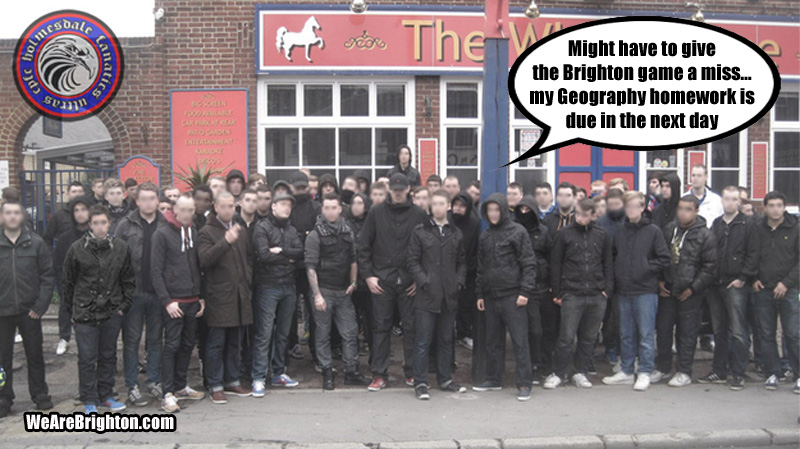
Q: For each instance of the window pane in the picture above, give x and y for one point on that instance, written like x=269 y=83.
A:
x=279 y=175
x=530 y=179
x=387 y=141
x=355 y=145
x=281 y=147
x=787 y=107
x=536 y=161
x=786 y=149
x=464 y=175
x=662 y=159
x=355 y=100
x=281 y=100
x=462 y=146
x=318 y=100
x=725 y=152
x=391 y=100
x=788 y=182
x=723 y=178
x=319 y=146
x=462 y=100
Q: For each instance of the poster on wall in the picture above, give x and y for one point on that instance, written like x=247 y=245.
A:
x=427 y=157
x=208 y=132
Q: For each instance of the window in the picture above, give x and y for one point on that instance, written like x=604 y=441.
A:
x=532 y=171
x=333 y=126
x=461 y=130
x=785 y=163
x=727 y=157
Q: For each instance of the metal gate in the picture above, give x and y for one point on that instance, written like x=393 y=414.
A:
x=44 y=191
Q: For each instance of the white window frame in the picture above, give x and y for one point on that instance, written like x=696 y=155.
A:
x=742 y=168
x=336 y=120
x=781 y=126
x=519 y=124
x=445 y=122
x=678 y=169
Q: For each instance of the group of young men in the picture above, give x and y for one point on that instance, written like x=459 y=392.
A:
x=223 y=266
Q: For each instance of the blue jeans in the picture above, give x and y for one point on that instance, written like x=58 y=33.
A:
x=767 y=310
x=273 y=306
x=729 y=320
x=222 y=357
x=434 y=329
x=148 y=311
x=637 y=319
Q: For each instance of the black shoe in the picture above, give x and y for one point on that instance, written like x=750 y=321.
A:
x=5 y=408
x=592 y=370
x=771 y=383
x=737 y=383
x=712 y=378
x=43 y=402
x=453 y=387
x=524 y=394
x=328 y=382
x=356 y=378
x=421 y=391
x=537 y=378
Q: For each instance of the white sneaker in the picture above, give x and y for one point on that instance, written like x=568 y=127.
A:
x=17 y=338
x=466 y=342
x=170 y=404
x=581 y=381
x=552 y=382
x=619 y=379
x=62 y=347
x=680 y=380
x=616 y=368
x=656 y=376
x=642 y=382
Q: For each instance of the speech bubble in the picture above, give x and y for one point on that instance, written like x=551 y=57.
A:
x=641 y=83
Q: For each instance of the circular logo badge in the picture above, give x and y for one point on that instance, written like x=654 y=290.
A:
x=68 y=65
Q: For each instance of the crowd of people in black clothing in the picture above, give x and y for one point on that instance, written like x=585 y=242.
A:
x=223 y=267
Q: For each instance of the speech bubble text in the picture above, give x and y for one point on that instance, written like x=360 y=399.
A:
x=641 y=83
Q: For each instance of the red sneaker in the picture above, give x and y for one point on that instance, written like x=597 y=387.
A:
x=377 y=384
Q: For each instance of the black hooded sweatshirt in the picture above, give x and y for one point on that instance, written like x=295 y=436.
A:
x=356 y=225
x=470 y=229
x=541 y=239
x=304 y=214
x=506 y=262
x=67 y=237
x=664 y=213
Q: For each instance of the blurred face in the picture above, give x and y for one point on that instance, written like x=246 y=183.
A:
x=357 y=206
x=493 y=213
x=583 y=217
x=328 y=188
x=377 y=196
x=331 y=210
x=235 y=186
x=686 y=213
x=731 y=201
x=544 y=198
x=115 y=196
x=74 y=192
x=439 y=207
x=399 y=196
x=459 y=208
x=264 y=202
x=12 y=216
x=666 y=190
x=202 y=201
x=97 y=189
x=748 y=210
x=699 y=177
x=404 y=156
x=599 y=189
x=514 y=196
x=256 y=182
x=172 y=194
x=634 y=210
x=226 y=208
x=313 y=188
x=99 y=225
x=615 y=204
x=523 y=209
x=282 y=209
x=600 y=208
x=566 y=199
x=433 y=185
x=131 y=192
x=350 y=184
x=422 y=199
x=249 y=203
x=163 y=207
x=619 y=187
x=281 y=189
x=217 y=185
x=147 y=202
x=81 y=214
x=452 y=187
x=774 y=209
x=300 y=190
x=362 y=185
x=474 y=193
x=653 y=186
x=580 y=195
x=184 y=210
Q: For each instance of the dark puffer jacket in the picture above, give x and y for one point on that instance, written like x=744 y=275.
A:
x=732 y=255
x=581 y=262
x=506 y=262
x=26 y=274
x=331 y=251
x=131 y=230
x=541 y=239
x=228 y=275
x=775 y=252
x=664 y=213
x=59 y=222
x=470 y=227
x=304 y=214
x=67 y=237
x=276 y=269
x=697 y=265
x=411 y=173
x=640 y=256
x=174 y=268
x=438 y=264
x=98 y=279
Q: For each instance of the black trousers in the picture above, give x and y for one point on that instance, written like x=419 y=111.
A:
x=502 y=313
x=97 y=358
x=179 y=335
x=465 y=318
x=683 y=318
x=362 y=300
x=31 y=331
x=383 y=306
x=543 y=320
x=434 y=329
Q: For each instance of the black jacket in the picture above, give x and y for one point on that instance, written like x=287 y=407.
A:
x=174 y=267
x=330 y=250
x=612 y=221
x=26 y=274
x=98 y=279
x=664 y=213
x=541 y=239
x=131 y=230
x=356 y=225
x=732 y=255
x=438 y=264
x=383 y=246
x=697 y=264
x=276 y=269
x=506 y=262
x=775 y=252
x=69 y=235
x=411 y=173
x=117 y=214
x=556 y=222
x=470 y=227
x=60 y=221
x=304 y=214
x=581 y=262
x=640 y=256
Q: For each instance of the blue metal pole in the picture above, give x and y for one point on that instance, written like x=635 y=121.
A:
x=494 y=177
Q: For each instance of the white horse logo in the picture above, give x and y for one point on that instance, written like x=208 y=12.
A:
x=307 y=37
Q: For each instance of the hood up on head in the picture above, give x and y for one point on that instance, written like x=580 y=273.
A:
x=499 y=199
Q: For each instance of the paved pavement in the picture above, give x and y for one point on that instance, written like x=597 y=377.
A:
x=605 y=417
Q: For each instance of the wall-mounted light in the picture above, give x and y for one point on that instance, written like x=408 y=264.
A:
x=698 y=14
x=428 y=106
x=158 y=14
x=358 y=6
x=532 y=11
